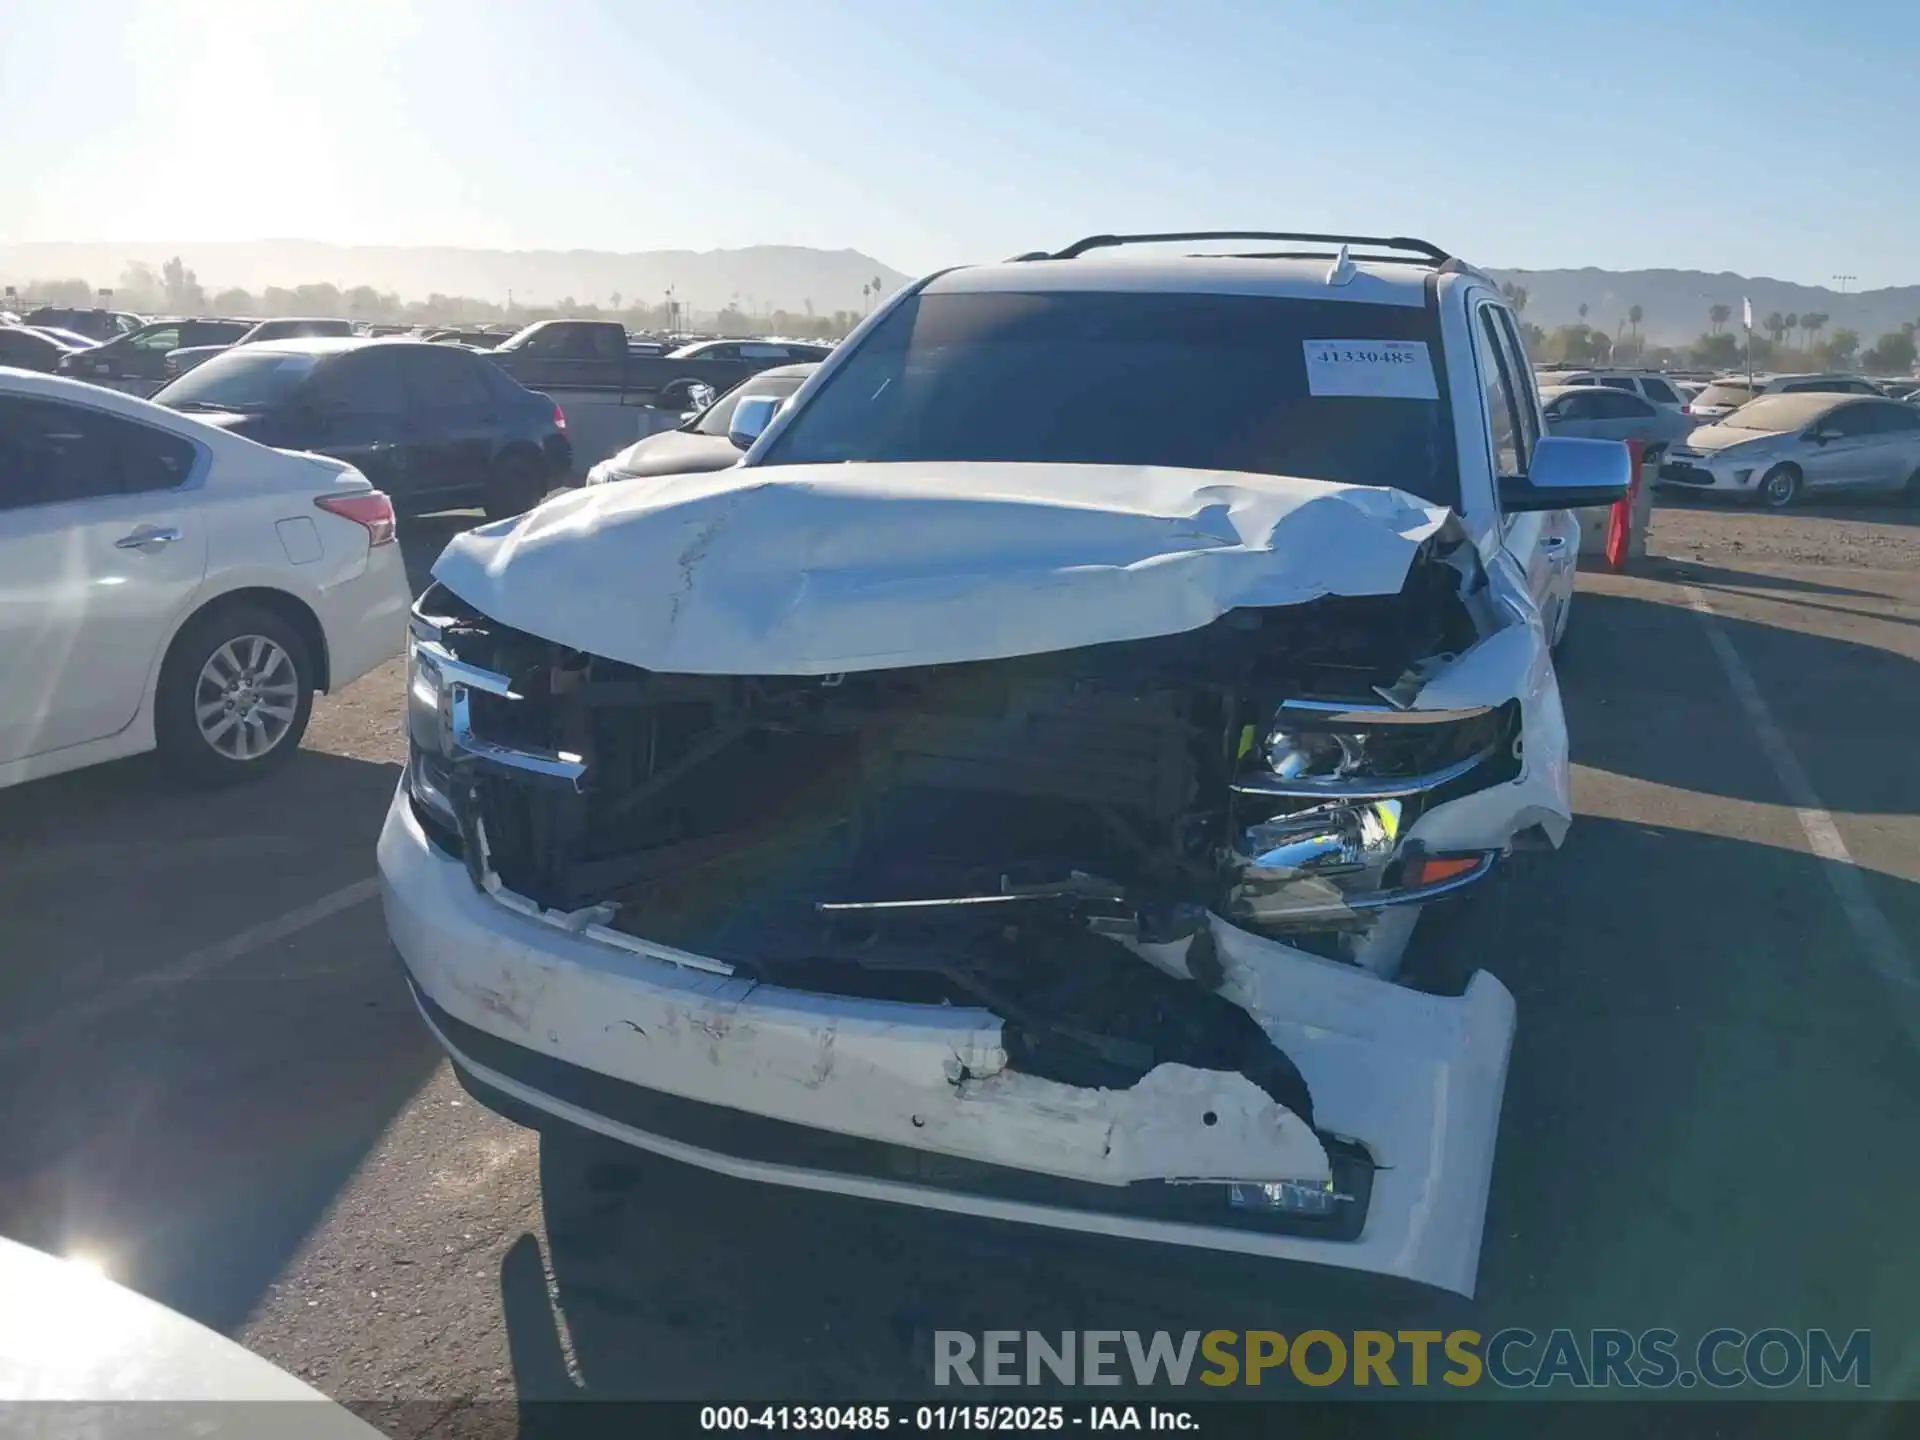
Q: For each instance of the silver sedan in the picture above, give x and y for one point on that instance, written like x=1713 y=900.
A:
x=1591 y=412
x=1782 y=446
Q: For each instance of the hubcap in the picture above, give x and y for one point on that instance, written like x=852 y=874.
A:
x=246 y=697
x=1780 y=489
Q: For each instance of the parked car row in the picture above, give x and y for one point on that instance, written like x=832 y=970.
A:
x=705 y=440
x=601 y=355
x=172 y=586
x=1780 y=447
x=1735 y=437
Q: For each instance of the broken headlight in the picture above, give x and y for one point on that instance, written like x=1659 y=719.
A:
x=1313 y=750
x=1325 y=837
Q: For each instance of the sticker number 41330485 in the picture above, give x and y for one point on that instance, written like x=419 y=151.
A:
x=1384 y=369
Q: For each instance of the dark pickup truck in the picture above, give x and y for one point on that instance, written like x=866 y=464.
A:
x=599 y=355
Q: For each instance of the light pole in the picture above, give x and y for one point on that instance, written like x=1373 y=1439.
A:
x=1843 y=281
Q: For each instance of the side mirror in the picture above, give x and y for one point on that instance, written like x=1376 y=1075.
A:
x=751 y=418
x=699 y=396
x=1569 y=474
x=1820 y=435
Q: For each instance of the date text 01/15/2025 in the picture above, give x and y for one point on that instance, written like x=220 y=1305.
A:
x=941 y=1419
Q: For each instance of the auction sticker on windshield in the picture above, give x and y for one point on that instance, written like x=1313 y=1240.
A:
x=1381 y=369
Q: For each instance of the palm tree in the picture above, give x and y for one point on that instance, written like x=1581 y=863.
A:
x=865 y=291
x=1775 y=325
x=1515 y=296
x=1634 y=316
x=1719 y=315
x=876 y=287
x=1583 y=314
x=1793 y=322
x=1813 y=325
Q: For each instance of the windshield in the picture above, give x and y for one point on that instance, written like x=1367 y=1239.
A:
x=243 y=379
x=519 y=337
x=1779 y=412
x=1723 y=395
x=715 y=419
x=1211 y=382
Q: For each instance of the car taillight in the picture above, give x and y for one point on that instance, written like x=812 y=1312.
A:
x=370 y=508
x=559 y=417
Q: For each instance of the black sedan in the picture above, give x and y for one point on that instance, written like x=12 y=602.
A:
x=26 y=349
x=435 y=426
x=701 y=443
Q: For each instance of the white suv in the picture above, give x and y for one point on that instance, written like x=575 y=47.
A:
x=1648 y=386
x=1012 y=788
x=1730 y=392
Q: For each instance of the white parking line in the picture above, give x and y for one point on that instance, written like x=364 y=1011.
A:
x=192 y=966
x=1879 y=942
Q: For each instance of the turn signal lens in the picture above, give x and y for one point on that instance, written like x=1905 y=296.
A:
x=1426 y=870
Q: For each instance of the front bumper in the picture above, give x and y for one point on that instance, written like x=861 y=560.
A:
x=1690 y=471
x=915 y=1104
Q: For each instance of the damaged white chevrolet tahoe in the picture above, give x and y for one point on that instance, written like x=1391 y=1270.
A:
x=1011 y=790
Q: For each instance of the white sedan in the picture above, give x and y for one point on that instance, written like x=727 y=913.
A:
x=166 y=585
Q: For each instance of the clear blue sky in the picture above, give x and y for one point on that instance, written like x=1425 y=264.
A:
x=1762 y=136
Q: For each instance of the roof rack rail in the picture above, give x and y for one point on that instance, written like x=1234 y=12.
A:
x=1080 y=247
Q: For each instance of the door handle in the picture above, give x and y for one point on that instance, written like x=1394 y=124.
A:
x=148 y=535
x=1552 y=544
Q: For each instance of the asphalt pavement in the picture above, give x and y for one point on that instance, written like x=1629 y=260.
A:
x=217 y=1087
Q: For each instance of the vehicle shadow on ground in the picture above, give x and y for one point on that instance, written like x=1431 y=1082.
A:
x=1646 y=698
x=1720 y=577
x=1669 y=1054
x=184 y=1108
x=1878 y=507
x=423 y=537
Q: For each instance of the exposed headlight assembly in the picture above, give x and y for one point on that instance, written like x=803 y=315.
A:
x=1325 y=797
x=1315 y=751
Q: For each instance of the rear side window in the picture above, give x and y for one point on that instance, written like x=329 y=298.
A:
x=1659 y=392
x=162 y=340
x=444 y=379
x=1617 y=382
x=1613 y=406
x=364 y=383
x=1575 y=407
x=52 y=452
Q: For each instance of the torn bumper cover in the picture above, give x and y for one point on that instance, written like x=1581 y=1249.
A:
x=1051 y=865
x=548 y=1017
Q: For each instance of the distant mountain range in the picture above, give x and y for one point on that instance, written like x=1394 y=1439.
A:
x=1675 y=303
x=761 y=278
x=764 y=278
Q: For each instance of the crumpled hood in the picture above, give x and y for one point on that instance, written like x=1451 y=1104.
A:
x=814 y=570
x=1711 y=439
